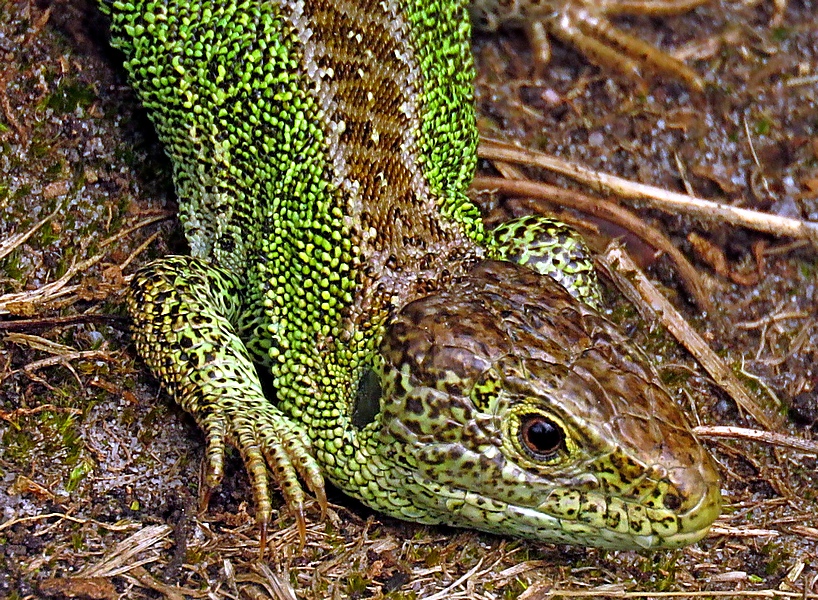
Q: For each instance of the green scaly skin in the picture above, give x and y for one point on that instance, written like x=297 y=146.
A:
x=321 y=155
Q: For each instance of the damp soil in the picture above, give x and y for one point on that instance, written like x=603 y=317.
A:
x=99 y=471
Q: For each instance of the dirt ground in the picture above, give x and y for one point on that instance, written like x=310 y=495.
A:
x=99 y=470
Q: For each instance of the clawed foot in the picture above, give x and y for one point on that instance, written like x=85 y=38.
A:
x=270 y=444
x=585 y=25
x=587 y=28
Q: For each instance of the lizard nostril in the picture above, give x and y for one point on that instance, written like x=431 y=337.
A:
x=672 y=502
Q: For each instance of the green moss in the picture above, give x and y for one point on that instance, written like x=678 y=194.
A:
x=151 y=423
x=57 y=168
x=778 y=559
x=763 y=126
x=69 y=95
x=432 y=558
x=10 y=266
x=18 y=444
x=514 y=589
x=40 y=148
x=22 y=192
x=808 y=269
x=195 y=555
x=126 y=154
x=401 y=595
x=661 y=568
x=65 y=261
x=78 y=541
x=356 y=585
x=78 y=474
x=49 y=233
x=780 y=34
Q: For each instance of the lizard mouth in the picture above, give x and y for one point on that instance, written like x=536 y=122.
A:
x=660 y=509
x=602 y=521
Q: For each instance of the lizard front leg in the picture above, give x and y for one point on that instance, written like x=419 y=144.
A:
x=184 y=315
x=552 y=248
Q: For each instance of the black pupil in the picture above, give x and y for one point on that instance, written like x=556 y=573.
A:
x=541 y=436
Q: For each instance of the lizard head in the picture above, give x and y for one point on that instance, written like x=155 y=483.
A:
x=510 y=407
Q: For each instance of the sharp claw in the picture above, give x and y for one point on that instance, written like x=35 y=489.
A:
x=321 y=497
x=315 y=483
x=301 y=521
x=204 y=498
x=262 y=539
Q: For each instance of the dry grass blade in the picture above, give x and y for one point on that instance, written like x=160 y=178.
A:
x=12 y=303
x=720 y=529
x=443 y=593
x=755 y=435
x=62 y=359
x=49 y=292
x=13 y=415
x=61 y=355
x=635 y=286
x=608 y=592
x=53 y=322
x=35 y=342
x=804 y=531
x=136 y=226
x=67 y=517
x=171 y=592
x=12 y=242
x=656 y=197
x=277 y=586
x=125 y=555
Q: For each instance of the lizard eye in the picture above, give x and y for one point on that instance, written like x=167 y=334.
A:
x=540 y=436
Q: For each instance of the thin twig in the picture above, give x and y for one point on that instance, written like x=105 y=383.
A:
x=757 y=435
x=13 y=241
x=656 y=197
x=19 y=413
x=444 y=592
x=635 y=286
x=608 y=211
x=52 y=322
x=143 y=223
x=120 y=526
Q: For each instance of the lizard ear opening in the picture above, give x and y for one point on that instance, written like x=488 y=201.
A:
x=367 y=401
